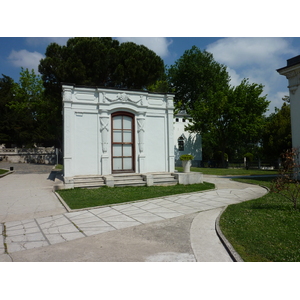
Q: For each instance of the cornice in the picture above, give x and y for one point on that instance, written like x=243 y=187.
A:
x=290 y=72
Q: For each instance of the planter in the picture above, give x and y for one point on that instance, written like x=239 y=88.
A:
x=186 y=166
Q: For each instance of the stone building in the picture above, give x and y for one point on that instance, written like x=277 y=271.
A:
x=292 y=73
x=109 y=131
x=119 y=136
x=186 y=142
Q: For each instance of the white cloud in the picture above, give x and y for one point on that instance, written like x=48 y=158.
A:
x=157 y=44
x=234 y=76
x=256 y=59
x=25 y=59
x=237 y=52
x=277 y=99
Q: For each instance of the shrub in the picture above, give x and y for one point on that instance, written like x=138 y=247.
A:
x=287 y=183
x=186 y=157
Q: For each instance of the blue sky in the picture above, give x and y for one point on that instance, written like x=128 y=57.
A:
x=245 y=57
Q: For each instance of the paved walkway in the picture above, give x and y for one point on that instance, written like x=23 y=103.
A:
x=27 y=194
x=65 y=236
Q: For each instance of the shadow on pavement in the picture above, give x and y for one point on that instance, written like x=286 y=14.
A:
x=55 y=174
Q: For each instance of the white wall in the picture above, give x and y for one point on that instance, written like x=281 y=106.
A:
x=192 y=141
x=85 y=158
x=155 y=144
x=295 y=116
x=87 y=129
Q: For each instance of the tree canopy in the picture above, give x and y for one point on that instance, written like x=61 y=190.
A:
x=97 y=61
x=137 y=67
x=25 y=111
x=225 y=115
x=100 y=62
x=8 y=121
x=198 y=80
x=277 y=136
x=27 y=104
x=230 y=119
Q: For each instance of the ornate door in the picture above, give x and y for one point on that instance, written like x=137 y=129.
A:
x=123 y=151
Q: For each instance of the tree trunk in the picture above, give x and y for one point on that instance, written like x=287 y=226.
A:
x=223 y=159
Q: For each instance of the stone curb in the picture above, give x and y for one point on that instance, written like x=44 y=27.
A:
x=263 y=186
x=229 y=248
x=65 y=205
x=231 y=251
x=7 y=173
x=115 y=204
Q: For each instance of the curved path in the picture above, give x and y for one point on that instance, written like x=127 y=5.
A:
x=173 y=228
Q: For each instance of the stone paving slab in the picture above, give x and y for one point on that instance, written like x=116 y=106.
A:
x=58 y=229
x=23 y=235
x=44 y=231
x=205 y=243
x=27 y=197
x=167 y=241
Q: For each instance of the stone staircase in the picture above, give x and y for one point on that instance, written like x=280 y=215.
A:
x=164 y=179
x=124 y=179
x=128 y=179
x=88 y=181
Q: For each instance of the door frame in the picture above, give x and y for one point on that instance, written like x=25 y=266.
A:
x=127 y=114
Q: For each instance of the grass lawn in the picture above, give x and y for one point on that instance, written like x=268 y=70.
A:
x=224 y=172
x=264 y=229
x=83 y=198
x=59 y=167
x=3 y=171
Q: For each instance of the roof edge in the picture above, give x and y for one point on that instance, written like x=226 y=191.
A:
x=112 y=88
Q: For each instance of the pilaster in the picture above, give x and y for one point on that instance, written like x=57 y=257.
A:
x=170 y=134
x=142 y=163
x=67 y=130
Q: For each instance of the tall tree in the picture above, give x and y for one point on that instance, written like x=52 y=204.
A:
x=238 y=119
x=97 y=62
x=28 y=105
x=198 y=80
x=8 y=120
x=247 y=107
x=228 y=116
x=277 y=136
x=100 y=62
x=138 y=67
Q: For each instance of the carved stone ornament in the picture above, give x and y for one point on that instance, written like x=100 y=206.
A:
x=141 y=131
x=104 y=132
x=67 y=95
x=123 y=97
x=292 y=74
x=170 y=103
x=293 y=88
